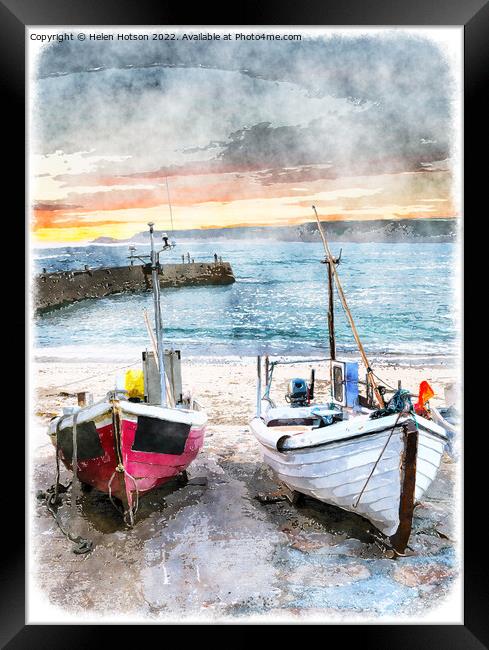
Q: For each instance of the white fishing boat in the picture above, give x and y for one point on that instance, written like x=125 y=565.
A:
x=374 y=459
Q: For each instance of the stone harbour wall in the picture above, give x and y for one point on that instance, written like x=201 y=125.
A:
x=53 y=290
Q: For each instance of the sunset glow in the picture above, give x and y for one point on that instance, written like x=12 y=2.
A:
x=237 y=145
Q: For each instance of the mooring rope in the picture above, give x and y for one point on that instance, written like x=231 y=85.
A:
x=354 y=505
x=101 y=374
x=116 y=419
x=74 y=467
x=132 y=511
x=82 y=545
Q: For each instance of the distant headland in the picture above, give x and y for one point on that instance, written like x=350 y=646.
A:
x=377 y=230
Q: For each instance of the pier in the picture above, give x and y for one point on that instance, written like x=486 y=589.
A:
x=52 y=290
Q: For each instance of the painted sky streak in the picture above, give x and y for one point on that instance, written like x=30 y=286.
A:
x=246 y=133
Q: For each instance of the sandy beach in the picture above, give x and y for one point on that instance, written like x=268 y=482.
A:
x=211 y=550
x=226 y=387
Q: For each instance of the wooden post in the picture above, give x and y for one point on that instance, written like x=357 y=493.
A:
x=400 y=538
x=312 y=384
x=84 y=398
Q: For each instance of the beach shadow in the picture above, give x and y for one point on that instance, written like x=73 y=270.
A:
x=97 y=510
x=335 y=520
x=308 y=515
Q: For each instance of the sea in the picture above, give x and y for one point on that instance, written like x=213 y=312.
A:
x=403 y=298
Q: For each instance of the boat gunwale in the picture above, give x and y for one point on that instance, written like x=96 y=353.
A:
x=100 y=409
x=349 y=437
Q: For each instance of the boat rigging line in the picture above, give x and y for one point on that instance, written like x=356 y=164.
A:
x=349 y=316
x=382 y=381
x=101 y=374
x=354 y=505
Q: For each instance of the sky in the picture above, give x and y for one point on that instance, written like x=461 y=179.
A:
x=360 y=124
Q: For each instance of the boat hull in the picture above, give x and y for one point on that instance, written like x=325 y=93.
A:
x=344 y=468
x=126 y=449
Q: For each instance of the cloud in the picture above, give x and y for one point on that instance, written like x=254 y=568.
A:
x=388 y=92
x=228 y=122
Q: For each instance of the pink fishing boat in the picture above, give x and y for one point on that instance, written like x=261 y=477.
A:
x=125 y=448
x=130 y=443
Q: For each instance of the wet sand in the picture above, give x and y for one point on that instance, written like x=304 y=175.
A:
x=211 y=550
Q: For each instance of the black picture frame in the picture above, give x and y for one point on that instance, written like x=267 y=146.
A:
x=15 y=15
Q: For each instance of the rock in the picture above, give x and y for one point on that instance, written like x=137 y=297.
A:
x=416 y=575
x=424 y=544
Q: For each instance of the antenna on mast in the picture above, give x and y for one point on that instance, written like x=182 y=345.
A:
x=169 y=203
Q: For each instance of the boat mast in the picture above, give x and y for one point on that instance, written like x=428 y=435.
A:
x=258 y=386
x=155 y=281
x=341 y=293
x=332 y=341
